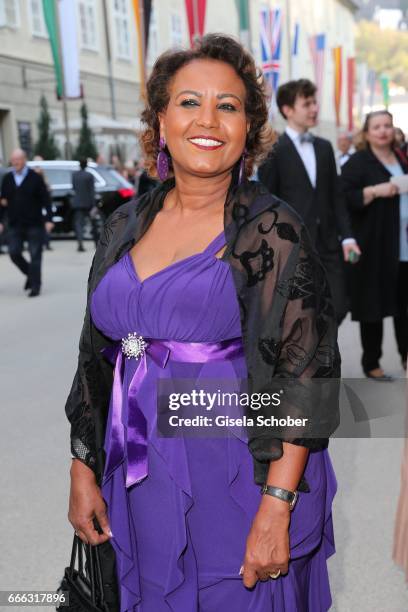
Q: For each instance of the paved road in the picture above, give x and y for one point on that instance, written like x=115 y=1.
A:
x=39 y=340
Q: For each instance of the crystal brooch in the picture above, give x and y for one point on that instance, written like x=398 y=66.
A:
x=133 y=346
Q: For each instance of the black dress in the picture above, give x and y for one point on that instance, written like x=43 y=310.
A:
x=373 y=280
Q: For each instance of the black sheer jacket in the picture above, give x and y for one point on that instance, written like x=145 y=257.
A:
x=287 y=319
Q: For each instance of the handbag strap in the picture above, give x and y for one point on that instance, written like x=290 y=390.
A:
x=80 y=556
x=93 y=568
x=73 y=554
x=100 y=579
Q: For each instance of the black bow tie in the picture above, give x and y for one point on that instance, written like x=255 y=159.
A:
x=306 y=137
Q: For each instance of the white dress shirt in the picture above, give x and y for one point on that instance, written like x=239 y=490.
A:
x=306 y=152
x=20 y=176
x=308 y=157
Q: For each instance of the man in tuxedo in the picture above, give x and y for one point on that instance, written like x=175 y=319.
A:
x=301 y=169
x=25 y=196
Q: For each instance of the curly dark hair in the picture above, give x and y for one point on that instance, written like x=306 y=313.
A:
x=215 y=47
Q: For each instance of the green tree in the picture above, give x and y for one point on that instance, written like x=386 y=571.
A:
x=86 y=146
x=385 y=51
x=45 y=145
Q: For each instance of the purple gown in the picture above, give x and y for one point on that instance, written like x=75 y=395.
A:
x=179 y=535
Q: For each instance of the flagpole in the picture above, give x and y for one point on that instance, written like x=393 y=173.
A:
x=68 y=149
x=109 y=58
x=196 y=23
x=289 y=30
x=141 y=42
x=249 y=28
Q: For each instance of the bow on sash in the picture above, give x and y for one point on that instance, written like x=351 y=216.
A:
x=134 y=421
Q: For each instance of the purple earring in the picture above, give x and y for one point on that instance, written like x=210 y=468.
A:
x=162 y=163
x=241 y=176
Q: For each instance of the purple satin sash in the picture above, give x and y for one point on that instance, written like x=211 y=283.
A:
x=136 y=426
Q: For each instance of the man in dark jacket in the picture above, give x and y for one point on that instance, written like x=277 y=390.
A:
x=26 y=196
x=83 y=201
x=301 y=169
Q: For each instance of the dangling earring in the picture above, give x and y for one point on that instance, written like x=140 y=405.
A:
x=162 y=163
x=241 y=176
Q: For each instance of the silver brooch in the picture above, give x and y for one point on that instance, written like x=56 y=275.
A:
x=133 y=346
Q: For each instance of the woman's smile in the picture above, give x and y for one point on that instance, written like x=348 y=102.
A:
x=206 y=143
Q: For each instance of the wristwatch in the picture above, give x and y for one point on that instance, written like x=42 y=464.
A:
x=288 y=496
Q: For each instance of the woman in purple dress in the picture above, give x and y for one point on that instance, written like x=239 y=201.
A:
x=208 y=277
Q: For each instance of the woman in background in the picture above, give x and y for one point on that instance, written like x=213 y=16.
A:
x=379 y=216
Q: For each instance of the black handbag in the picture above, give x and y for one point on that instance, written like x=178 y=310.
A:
x=90 y=579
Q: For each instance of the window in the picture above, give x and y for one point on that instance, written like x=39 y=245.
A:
x=176 y=33
x=38 y=27
x=153 y=48
x=9 y=13
x=24 y=136
x=87 y=24
x=58 y=178
x=112 y=178
x=121 y=18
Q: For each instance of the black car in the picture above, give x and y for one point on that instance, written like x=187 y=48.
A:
x=111 y=190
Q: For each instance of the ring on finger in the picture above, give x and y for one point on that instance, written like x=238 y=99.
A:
x=275 y=575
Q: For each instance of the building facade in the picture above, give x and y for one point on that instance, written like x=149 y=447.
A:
x=110 y=68
x=27 y=73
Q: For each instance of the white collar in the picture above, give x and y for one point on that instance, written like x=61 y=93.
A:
x=293 y=134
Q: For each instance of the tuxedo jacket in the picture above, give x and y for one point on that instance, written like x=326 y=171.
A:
x=322 y=208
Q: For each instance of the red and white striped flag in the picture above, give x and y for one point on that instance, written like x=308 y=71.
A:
x=317 y=45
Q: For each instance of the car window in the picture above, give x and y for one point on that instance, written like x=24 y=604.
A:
x=112 y=178
x=57 y=177
x=99 y=182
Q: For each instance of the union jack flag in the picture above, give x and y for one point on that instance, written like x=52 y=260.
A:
x=317 y=48
x=271 y=38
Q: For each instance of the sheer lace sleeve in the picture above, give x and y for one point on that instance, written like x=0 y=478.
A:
x=288 y=310
x=78 y=407
x=88 y=401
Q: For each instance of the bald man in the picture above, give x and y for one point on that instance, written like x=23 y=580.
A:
x=24 y=196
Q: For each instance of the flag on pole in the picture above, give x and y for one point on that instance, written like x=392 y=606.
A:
x=60 y=19
x=296 y=52
x=195 y=18
x=362 y=79
x=371 y=80
x=243 y=17
x=295 y=44
x=271 y=42
x=338 y=82
x=385 y=86
x=351 y=77
x=317 y=46
x=142 y=10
